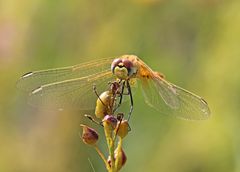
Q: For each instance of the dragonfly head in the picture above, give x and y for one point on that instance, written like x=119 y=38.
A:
x=123 y=68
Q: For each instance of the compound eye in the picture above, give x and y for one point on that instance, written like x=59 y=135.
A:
x=115 y=63
x=128 y=64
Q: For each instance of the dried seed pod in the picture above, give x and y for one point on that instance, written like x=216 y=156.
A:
x=122 y=129
x=89 y=135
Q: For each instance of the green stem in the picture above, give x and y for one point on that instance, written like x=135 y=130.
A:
x=110 y=143
x=118 y=150
x=102 y=156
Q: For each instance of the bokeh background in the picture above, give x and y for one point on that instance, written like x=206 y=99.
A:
x=194 y=43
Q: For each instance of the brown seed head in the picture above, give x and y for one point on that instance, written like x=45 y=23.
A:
x=89 y=135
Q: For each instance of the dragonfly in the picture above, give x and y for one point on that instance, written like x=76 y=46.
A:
x=72 y=87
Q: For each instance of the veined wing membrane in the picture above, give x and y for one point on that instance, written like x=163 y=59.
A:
x=167 y=92
x=190 y=106
x=74 y=93
x=33 y=80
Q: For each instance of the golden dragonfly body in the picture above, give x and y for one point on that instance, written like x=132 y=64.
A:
x=72 y=86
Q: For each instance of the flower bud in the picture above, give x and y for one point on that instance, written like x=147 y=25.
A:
x=122 y=129
x=111 y=121
x=89 y=135
x=120 y=158
x=109 y=124
x=109 y=161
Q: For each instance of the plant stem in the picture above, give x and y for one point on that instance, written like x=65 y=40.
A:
x=102 y=156
x=118 y=150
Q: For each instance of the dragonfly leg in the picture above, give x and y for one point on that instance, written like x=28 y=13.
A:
x=95 y=91
x=119 y=118
x=121 y=97
x=131 y=100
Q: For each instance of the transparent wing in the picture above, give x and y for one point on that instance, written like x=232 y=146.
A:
x=74 y=93
x=170 y=99
x=33 y=80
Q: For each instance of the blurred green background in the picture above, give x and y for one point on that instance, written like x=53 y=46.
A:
x=194 y=43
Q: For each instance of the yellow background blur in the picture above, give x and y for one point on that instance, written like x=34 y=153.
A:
x=196 y=44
